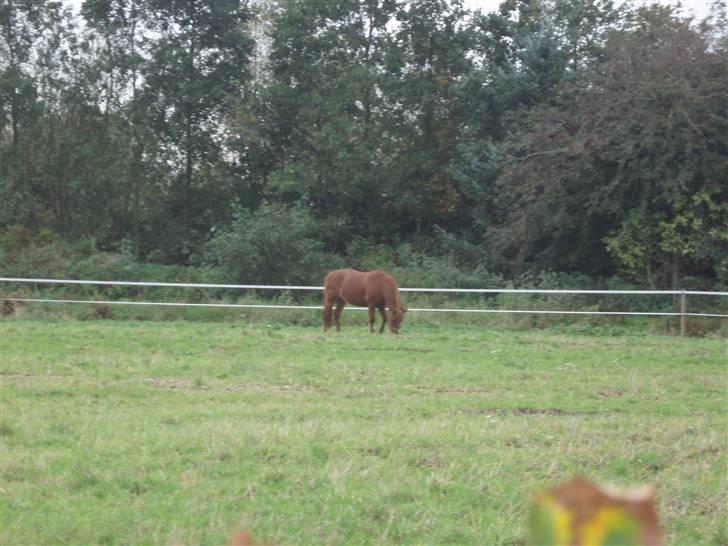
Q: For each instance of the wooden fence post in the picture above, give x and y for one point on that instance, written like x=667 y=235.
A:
x=683 y=313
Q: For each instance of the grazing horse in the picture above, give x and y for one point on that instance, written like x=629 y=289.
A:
x=374 y=289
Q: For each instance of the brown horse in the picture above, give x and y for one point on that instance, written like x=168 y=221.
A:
x=375 y=290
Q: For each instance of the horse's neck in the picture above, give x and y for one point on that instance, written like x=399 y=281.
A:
x=391 y=296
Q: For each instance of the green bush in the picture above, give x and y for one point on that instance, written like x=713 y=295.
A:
x=24 y=253
x=34 y=261
x=14 y=239
x=273 y=245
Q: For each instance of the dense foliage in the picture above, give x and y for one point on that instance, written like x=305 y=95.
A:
x=271 y=140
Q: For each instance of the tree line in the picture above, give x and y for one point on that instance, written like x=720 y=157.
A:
x=274 y=139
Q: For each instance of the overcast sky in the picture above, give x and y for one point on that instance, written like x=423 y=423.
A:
x=699 y=8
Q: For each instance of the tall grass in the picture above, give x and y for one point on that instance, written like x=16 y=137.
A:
x=118 y=432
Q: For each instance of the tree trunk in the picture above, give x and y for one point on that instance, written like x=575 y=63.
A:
x=676 y=281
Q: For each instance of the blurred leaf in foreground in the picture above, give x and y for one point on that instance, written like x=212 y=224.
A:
x=579 y=513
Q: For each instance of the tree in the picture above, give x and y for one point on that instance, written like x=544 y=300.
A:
x=16 y=87
x=644 y=133
x=198 y=65
x=327 y=111
x=362 y=116
x=118 y=34
x=427 y=64
x=38 y=48
x=523 y=55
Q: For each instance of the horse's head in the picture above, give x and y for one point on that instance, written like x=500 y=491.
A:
x=396 y=316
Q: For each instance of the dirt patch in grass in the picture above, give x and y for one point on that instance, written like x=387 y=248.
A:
x=609 y=394
x=702 y=454
x=312 y=337
x=396 y=349
x=182 y=384
x=524 y=411
x=424 y=462
x=285 y=387
x=170 y=383
x=451 y=389
x=25 y=378
x=589 y=343
x=6 y=430
x=16 y=377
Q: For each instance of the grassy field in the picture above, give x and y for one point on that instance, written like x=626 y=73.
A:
x=119 y=432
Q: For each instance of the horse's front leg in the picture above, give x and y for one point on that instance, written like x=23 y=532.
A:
x=382 y=312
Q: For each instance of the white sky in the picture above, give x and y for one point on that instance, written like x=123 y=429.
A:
x=698 y=8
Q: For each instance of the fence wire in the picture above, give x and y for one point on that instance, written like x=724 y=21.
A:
x=319 y=288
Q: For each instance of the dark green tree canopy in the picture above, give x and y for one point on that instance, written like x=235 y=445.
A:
x=546 y=135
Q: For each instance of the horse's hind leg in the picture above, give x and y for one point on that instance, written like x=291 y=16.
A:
x=327 y=315
x=384 y=317
x=327 y=311
x=337 y=313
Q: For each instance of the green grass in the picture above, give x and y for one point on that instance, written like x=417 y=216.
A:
x=120 y=432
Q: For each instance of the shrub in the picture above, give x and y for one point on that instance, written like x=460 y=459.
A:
x=273 y=245
x=49 y=260
x=15 y=239
x=24 y=253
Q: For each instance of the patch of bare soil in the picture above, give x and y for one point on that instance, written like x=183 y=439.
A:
x=455 y=389
x=180 y=384
x=588 y=343
x=429 y=463
x=24 y=378
x=5 y=375
x=170 y=383
x=286 y=387
x=398 y=349
x=701 y=454
x=609 y=394
x=524 y=411
x=312 y=337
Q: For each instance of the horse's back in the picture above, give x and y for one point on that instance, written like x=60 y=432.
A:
x=334 y=278
x=380 y=278
x=335 y=284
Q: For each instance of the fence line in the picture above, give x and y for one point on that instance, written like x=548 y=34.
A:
x=683 y=313
x=286 y=287
x=320 y=308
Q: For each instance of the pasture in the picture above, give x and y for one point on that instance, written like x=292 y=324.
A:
x=128 y=432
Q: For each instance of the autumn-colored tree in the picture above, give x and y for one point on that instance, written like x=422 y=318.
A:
x=640 y=141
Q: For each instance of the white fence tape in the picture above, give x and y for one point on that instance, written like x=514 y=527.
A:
x=432 y=310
